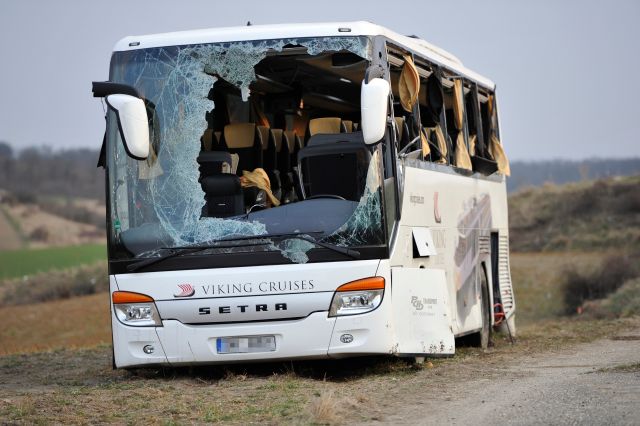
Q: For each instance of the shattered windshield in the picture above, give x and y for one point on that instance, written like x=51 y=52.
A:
x=247 y=138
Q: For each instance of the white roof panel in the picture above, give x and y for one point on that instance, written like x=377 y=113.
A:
x=265 y=32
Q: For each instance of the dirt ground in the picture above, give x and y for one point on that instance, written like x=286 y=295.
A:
x=552 y=375
x=59 y=231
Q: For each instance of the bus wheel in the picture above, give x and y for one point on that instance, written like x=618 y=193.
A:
x=481 y=338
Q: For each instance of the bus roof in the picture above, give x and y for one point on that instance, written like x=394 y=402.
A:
x=326 y=29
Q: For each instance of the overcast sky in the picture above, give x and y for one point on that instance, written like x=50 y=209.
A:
x=566 y=71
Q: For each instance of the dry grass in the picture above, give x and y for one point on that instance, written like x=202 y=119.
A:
x=538 y=280
x=78 y=322
x=324 y=408
x=79 y=386
x=59 y=231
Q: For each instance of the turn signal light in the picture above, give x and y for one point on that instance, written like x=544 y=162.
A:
x=119 y=297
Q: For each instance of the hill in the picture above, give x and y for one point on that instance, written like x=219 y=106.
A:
x=537 y=173
x=587 y=216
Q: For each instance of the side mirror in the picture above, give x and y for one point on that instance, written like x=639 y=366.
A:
x=132 y=123
x=374 y=97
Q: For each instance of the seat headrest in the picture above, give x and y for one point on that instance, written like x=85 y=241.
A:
x=240 y=135
x=293 y=139
x=325 y=125
x=263 y=131
x=207 y=140
x=277 y=138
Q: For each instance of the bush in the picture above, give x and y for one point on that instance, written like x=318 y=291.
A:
x=54 y=285
x=41 y=233
x=580 y=286
x=625 y=302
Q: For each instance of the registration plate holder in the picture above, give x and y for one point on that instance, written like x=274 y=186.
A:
x=245 y=344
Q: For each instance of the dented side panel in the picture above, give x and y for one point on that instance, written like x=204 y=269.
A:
x=421 y=317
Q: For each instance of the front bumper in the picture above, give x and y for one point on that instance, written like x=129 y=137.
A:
x=315 y=336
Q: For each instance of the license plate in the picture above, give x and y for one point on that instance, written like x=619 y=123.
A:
x=245 y=344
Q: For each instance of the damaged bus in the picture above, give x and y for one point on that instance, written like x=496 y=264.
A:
x=301 y=191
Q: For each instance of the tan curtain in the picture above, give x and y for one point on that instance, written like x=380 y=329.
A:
x=442 y=144
x=426 y=150
x=496 y=149
x=497 y=152
x=473 y=140
x=458 y=106
x=462 y=159
x=409 y=84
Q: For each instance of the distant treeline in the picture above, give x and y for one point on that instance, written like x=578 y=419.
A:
x=31 y=173
x=538 y=173
x=73 y=172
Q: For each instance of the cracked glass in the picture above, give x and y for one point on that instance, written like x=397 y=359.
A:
x=158 y=202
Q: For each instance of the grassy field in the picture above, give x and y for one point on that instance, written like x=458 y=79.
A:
x=16 y=263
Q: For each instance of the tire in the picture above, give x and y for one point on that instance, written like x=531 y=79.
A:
x=481 y=338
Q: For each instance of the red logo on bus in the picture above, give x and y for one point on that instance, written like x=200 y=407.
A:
x=186 y=290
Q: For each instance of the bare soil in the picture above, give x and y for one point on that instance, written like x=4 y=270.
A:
x=549 y=376
x=54 y=230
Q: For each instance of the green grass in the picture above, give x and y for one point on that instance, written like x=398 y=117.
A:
x=17 y=263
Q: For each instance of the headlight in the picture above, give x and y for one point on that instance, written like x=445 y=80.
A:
x=357 y=297
x=135 y=309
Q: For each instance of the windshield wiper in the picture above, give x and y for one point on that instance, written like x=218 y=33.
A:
x=179 y=251
x=298 y=235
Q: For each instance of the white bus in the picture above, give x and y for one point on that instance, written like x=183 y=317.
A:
x=300 y=191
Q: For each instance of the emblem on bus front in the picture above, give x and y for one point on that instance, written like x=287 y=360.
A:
x=186 y=290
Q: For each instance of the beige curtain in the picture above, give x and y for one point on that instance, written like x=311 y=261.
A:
x=458 y=106
x=442 y=144
x=409 y=84
x=495 y=147
x=497 y=152
x=426 y=150
x=462 y=159
x=472 y=144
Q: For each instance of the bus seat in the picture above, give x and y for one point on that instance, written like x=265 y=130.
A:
x=325 y=125
x=223 y=195
x=222 y=191
x=206 y=141
x=334 y=166
x=284 y=163
x=269 y=159
x=295 y=145
x=348 y=126
x=243 y=139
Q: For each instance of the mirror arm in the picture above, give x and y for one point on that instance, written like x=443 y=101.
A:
x=374 y=71
x=102 y=89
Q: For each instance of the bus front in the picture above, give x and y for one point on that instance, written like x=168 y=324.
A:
x=250 y=224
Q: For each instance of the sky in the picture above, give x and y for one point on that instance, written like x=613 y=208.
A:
x=566 y=71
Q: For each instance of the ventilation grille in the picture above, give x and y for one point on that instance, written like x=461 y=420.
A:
x=484 y=244
x=504 y=275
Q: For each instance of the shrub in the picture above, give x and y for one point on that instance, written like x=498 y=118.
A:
x=580 y=286
x=54 y=285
